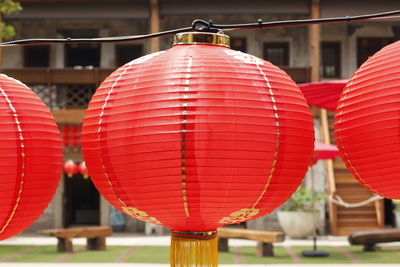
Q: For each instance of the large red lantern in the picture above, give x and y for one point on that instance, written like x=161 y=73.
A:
x=367 y=123
x=30 y=153
x=197 y=137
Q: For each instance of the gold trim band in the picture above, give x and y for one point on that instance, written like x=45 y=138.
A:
x=22 y=146
x=183 y=140
x=278 y=132
x=339 y=132
x=99 y=129
x=202 y=38
x=208 y=233
x=195 y=235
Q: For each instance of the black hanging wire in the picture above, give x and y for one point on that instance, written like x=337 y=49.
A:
x=207 y=26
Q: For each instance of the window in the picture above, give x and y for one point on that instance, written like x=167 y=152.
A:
x=239 y=43
x=330 y=59
x=127 y=53
x=84 y=55
x=366 y=47
x=277 y=53
x=37 y=56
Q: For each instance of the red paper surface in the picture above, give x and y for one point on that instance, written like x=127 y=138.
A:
x=197 y=137
x=367 y=123
x=30 y=157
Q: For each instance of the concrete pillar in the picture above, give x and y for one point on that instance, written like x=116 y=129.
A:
x=104 y=212
x=58 y=205
x=58 y=55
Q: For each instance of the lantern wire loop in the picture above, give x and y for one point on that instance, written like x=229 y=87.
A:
x=208 y=26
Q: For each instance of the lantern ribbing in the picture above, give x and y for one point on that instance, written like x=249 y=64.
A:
x=197 y=137
x=22 y=148
x=31 y=153
x=278 y=134
x=366 y=122
x=184 y=117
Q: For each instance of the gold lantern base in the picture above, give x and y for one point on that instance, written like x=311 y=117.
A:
x=194 y=249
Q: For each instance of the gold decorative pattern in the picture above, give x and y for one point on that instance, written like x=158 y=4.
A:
x=127 y=66
x=140 y=215
x=339 y=138
x=183 y=140
x=240 y=216
x=278 y=133
x=247 y=214
x=22 y=146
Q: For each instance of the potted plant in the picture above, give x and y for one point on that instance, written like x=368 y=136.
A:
x=296 y=215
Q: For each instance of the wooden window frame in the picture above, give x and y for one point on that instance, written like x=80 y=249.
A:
x=285 y=45
x=338 y=46
x=25 y=56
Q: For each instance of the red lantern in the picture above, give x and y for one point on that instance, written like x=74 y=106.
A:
x=367 y=123
x=30 y=152
x=83 y=170
x=197 y=137
x=70 y=168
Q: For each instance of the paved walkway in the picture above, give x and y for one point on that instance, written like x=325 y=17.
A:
x=167 y=265
x=130 y=240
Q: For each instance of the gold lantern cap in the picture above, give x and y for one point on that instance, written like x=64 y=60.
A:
x=202 y=38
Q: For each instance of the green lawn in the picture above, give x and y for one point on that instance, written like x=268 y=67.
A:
x=37 y=254
x=109 y=255
x=146 y=254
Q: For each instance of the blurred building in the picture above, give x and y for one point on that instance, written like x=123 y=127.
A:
x=66 y=76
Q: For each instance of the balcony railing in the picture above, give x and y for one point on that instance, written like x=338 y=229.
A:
x=68 y=91
x=62 y=88
x=59 y=76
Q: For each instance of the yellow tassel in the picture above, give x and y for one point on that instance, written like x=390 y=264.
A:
x=194 y=249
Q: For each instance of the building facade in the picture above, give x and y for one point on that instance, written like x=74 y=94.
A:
x=66 y=76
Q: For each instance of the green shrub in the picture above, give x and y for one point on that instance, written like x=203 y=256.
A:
x=301 y=200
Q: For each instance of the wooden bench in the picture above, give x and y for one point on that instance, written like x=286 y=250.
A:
x=369 y=238
x=96 y=237
x=265 y=239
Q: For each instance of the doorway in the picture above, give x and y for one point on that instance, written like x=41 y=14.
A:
x=81 y=201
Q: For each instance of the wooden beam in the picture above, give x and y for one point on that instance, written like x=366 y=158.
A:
x=315 y=42
x=51 y=76
x=154 y=25
x=1 y=50
x=88 y=232
x=69 y=116
x=315 y=61
x=374 y=236
x=380 y=211
x=258 y=235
